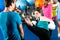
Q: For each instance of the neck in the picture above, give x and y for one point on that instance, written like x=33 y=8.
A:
x=39 y=17
x=7 y=9
x=46 y=5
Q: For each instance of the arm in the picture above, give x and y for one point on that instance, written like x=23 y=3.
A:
x=21 y=30
x=19 y=22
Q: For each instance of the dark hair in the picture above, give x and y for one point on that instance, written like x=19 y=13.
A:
x=39 y=10
x=58 y=0
x=8 y=2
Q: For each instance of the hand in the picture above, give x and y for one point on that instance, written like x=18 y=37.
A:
x=19 y=11
x=27 y=20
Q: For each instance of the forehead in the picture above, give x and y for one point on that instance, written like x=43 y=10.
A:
x=15 y=0
x=36 y=12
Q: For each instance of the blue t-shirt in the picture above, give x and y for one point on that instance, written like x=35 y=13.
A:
x=9 y=25
x=58 y=12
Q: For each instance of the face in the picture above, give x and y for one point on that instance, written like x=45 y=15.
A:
x=37 y=14
x=45 y=3
x=13 y=6
x=54 y=1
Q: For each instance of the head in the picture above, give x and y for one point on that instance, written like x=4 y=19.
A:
x=10 y=4
x=38 y=12
x=54 y=1
x=46 y=2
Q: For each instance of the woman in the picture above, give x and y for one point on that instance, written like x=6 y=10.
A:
x=41 y=28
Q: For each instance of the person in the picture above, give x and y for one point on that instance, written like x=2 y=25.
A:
x=41 y=28
x=54 y=9
x=11 y=24
x=47 y=9
x=58 y=17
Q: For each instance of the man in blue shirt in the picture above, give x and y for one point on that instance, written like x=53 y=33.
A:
x=11 y=22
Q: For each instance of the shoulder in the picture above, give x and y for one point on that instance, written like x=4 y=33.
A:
x=13 y=13
x=16 y=15
x=2 y=13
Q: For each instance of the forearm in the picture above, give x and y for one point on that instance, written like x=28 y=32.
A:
x=22 y=32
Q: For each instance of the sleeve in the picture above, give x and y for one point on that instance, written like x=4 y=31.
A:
x=18 y=19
